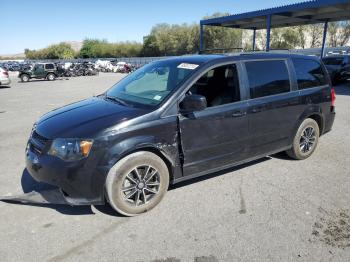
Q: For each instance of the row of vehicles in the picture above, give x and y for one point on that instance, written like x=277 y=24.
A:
x=13 y=66
x=50 y=71
x=338 y=67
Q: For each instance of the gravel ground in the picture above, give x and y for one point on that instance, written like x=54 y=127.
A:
x=274 y=209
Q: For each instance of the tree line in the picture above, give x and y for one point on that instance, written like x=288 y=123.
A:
x=167 y=40
x=304 y=36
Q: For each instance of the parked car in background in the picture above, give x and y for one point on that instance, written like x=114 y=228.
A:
x=338 y=67
x=4 y=77
x=121 y=67
x=180 y=118
x=46 y=71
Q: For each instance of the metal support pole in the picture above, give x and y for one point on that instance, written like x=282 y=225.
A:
x=268 y=32
x=201 y=38
x=324 y=39
x=254 y=37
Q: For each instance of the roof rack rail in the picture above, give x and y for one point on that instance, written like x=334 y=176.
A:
x=220 y=49
x=280 y=49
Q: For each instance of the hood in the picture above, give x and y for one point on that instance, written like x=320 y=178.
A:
x=84 y=119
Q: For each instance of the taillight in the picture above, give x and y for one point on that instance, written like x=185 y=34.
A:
x=333 y=96
x=6 y=73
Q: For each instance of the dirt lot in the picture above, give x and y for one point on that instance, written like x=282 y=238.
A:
x=274 y=209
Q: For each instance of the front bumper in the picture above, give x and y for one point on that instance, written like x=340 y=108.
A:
x=79 y=182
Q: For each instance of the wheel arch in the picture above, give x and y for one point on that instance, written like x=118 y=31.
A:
x=147 y=148
x=22 y=74
x=48 y=73
x=168 y=153
x=319 y=120
x=152 y=149
x=314 y=112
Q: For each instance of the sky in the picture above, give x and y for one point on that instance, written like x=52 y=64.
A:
x=36 y=24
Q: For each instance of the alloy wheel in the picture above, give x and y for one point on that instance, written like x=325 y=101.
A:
x=141 y=185
x=307 y=140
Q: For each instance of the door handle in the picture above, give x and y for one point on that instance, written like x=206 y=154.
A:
x=239 y=114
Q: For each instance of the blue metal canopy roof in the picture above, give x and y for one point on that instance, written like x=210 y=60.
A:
x=311 y=12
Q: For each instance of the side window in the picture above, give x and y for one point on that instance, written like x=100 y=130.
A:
x=309 y=73
x=267 y=78
x=49 y=66
x=219 y=86
x=333 y=60
x=39 y=66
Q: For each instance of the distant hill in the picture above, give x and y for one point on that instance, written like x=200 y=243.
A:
x=13 y=56
x=76 y=45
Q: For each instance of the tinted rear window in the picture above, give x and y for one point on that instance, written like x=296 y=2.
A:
x=267 y=78
x=49 y=66
x=309 y=73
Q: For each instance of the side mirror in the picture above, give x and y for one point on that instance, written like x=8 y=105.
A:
x=192 y=103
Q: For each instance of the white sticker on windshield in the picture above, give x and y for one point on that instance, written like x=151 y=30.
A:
x=157 y=97
x=187 y=66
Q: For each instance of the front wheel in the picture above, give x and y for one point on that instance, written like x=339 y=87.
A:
x=137 y=183
x=305 y=140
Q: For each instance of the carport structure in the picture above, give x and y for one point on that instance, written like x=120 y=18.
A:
x=311 y=12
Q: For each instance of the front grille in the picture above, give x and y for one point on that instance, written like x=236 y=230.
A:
x=38 y=142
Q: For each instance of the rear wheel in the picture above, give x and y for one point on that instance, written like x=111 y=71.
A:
x=50 y=77
x=305 y=140
x=137 y=183
x=24 y=78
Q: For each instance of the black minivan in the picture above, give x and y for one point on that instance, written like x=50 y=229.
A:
x=177 y=119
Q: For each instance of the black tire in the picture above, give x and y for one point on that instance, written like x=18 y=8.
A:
x=305 y=140
x=151 y=169
x=25 y=78
x=50 y=76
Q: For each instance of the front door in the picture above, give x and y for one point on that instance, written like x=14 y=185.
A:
x=38 y=70
x=217 y=136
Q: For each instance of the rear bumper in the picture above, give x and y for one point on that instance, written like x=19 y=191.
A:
x=79 y=182
x=329 y=121
x=5 y=81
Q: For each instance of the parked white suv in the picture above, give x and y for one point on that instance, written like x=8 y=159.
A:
x=4 y=77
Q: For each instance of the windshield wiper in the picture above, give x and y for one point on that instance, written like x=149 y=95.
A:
x=115 y=99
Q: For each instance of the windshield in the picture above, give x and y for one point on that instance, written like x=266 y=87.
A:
x=152 y=83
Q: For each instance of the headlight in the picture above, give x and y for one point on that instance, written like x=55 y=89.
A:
x=70 y=149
